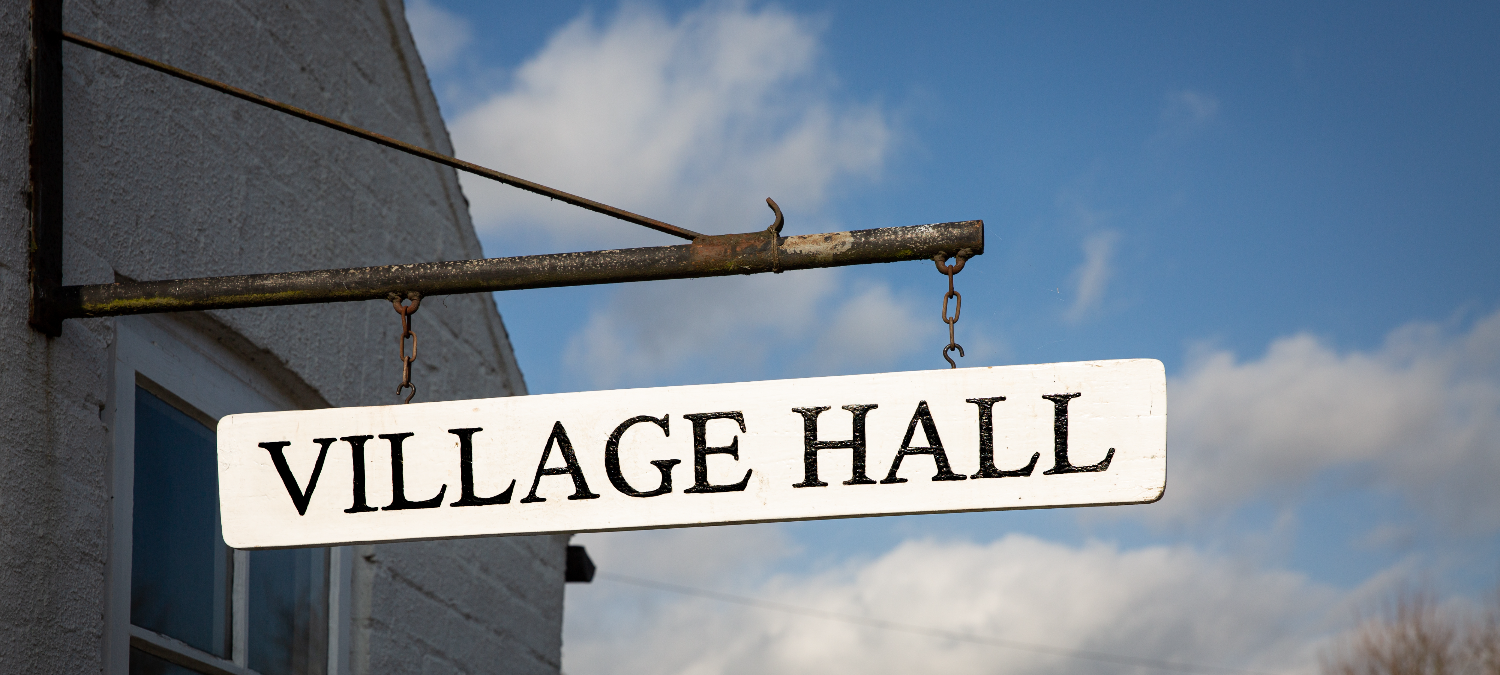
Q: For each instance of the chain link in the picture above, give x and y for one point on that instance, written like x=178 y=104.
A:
x=406 y=311
x=958 y=305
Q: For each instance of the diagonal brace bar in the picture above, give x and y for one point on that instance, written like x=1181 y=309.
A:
x=387 y=141
x=708 y=256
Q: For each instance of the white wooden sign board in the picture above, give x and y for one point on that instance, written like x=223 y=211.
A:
x=972 y=439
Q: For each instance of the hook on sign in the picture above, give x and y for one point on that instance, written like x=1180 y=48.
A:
x=406 y=311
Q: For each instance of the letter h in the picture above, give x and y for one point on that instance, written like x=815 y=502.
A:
x=811 y=445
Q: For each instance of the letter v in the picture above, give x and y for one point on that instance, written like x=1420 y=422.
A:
x=278 y=455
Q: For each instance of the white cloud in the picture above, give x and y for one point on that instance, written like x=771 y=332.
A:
x=1190 y=107
x=1163 y=603
x=657 y=329
x=440 y=35
x=1092 y=276
x=1182 y=115
x=693 y=121
x=1418 y=417
x=733 y=327
x=871 y=329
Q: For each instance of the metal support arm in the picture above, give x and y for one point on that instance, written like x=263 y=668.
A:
x=709 y=256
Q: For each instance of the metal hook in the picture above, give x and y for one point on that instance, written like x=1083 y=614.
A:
x=413 y=387
x=958 y=262
x=775 y=231
x=952 y=346
x=400 y=303
x=775 y=227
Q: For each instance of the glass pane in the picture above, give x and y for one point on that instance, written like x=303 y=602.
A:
x=288 y=611
x=179 y=572
x=142 y=663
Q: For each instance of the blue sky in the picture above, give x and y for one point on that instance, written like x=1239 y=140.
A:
x=1295 y=207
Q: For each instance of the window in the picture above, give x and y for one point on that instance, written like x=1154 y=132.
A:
x=189 y=603
x=288 y=611
x=180 y=569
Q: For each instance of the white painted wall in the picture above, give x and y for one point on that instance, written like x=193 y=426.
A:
x=166 y=180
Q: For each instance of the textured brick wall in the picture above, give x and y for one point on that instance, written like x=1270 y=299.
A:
x=164 y=180
x=499 y=601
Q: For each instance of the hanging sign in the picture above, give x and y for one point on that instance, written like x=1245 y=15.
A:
x=971 y=439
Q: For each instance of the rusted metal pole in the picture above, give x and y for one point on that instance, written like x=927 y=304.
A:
x=709 y=256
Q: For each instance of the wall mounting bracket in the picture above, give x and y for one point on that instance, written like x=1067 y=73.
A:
x=707 y=255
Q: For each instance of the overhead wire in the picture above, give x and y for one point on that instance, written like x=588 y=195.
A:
x=1082 y=654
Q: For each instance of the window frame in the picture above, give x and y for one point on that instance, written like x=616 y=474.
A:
x=205 y=379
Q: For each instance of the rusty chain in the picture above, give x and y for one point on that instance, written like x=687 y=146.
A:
x=406 y=311
x=942 y=266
